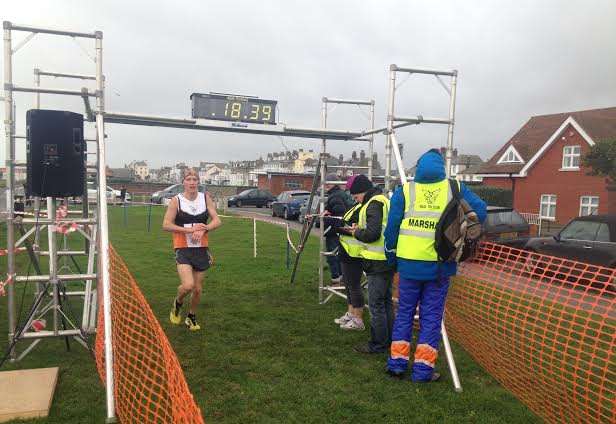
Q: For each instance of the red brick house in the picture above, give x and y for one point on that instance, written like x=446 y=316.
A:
x=277 y=182
x=541 y=164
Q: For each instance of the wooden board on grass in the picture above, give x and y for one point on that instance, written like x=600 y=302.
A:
x=26 y=393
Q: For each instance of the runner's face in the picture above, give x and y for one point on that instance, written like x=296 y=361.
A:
x=191 y=184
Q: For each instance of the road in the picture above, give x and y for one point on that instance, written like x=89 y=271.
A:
x=264 y=214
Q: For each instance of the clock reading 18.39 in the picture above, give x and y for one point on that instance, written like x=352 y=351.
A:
x=228 y=107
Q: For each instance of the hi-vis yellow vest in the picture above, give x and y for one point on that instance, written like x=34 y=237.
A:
x=423 y=206
x=350 y=244
x=375 y=250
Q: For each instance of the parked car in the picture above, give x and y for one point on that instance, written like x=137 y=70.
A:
x=252 y=197
x=289 y=202
x=113 y=196
x=590 y=239
x=505 y=225
x=163 y=196
x=117 y=194
x=313 y=210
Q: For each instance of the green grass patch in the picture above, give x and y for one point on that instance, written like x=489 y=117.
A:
x=268 y=352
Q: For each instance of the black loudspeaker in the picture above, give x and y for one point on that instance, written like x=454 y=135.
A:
x=56 y=153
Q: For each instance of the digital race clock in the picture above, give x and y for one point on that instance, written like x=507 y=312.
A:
x=230 y=107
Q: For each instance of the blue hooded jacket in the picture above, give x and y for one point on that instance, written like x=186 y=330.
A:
x=430 y=169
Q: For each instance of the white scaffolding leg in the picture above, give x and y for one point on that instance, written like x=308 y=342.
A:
x=392 y=145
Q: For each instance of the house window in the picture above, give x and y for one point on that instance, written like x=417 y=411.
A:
x=292 y=184
x=571 y=157
x=589 y=205
x=548 y=206
x=510 y=156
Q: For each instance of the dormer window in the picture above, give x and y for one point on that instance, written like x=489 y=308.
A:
x=511 y=155
x=571 y=157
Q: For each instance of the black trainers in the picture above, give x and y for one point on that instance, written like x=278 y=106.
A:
x=365 y=348
x=191 y=322
x=399 y=375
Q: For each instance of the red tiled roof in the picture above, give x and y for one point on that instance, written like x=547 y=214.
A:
x=599 y=124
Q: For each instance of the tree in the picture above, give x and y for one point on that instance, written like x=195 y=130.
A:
x=601 y=159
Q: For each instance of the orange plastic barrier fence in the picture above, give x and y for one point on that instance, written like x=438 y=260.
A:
x=544 y=327
x=149 y=382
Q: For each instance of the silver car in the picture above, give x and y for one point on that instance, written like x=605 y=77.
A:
x=313 y=210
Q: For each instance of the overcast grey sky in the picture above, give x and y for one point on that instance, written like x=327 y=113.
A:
x=515 y=60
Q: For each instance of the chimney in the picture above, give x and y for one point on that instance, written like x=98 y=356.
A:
x=362 y=155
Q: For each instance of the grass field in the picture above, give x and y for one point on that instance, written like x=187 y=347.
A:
x=268 y=352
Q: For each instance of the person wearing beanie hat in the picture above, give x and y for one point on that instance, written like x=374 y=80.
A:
x=336 y=204
x=360 y=184
x=369 y=232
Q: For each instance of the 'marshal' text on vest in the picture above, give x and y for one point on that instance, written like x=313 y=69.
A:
x=422 y=223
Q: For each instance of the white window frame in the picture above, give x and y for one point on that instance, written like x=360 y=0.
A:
x=586 y=202
x=549 y=204
x=569 y=157
x=511 y=155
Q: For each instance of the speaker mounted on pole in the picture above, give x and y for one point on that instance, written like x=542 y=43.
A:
x=55 y=153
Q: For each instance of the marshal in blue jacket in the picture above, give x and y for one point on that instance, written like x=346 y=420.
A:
x=430 y=169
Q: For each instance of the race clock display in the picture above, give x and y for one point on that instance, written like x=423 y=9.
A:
x=230 y=107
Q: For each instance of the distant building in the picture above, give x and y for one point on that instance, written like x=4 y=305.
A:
x=140 y=170
x=120 y=175
x=161 y=175
x=176 y=174
x=277 y=182
x=208 y=171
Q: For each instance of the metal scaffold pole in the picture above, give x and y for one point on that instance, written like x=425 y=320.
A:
x=10 y=177
x=322 y=201
x=103 y=250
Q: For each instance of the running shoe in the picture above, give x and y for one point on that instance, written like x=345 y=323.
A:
x=191 y=322
x=175 y=315
x=343 y=319
x=354 y=323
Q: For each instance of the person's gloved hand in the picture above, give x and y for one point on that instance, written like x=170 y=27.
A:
x=391 y=257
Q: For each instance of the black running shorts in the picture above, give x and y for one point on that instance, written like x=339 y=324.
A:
x=197 y=257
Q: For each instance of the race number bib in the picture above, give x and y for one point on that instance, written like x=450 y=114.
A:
x=189 y=239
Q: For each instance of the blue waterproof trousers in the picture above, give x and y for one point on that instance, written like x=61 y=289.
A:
x=430 y=295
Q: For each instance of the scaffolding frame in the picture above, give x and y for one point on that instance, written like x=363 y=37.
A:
x=328 y=289
x=392 y=145
x=98 y=241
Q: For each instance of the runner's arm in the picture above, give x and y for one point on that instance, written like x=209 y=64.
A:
x=211 y=207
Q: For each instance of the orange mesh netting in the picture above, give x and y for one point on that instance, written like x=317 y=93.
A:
x=544 y=327
x=149 y=383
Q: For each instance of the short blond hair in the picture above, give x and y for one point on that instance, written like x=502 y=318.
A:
x=190 y=172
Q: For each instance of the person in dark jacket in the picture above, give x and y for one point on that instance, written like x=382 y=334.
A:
x=415 y=209
x=336 y=206
x=369 y=231
x=349 y=255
